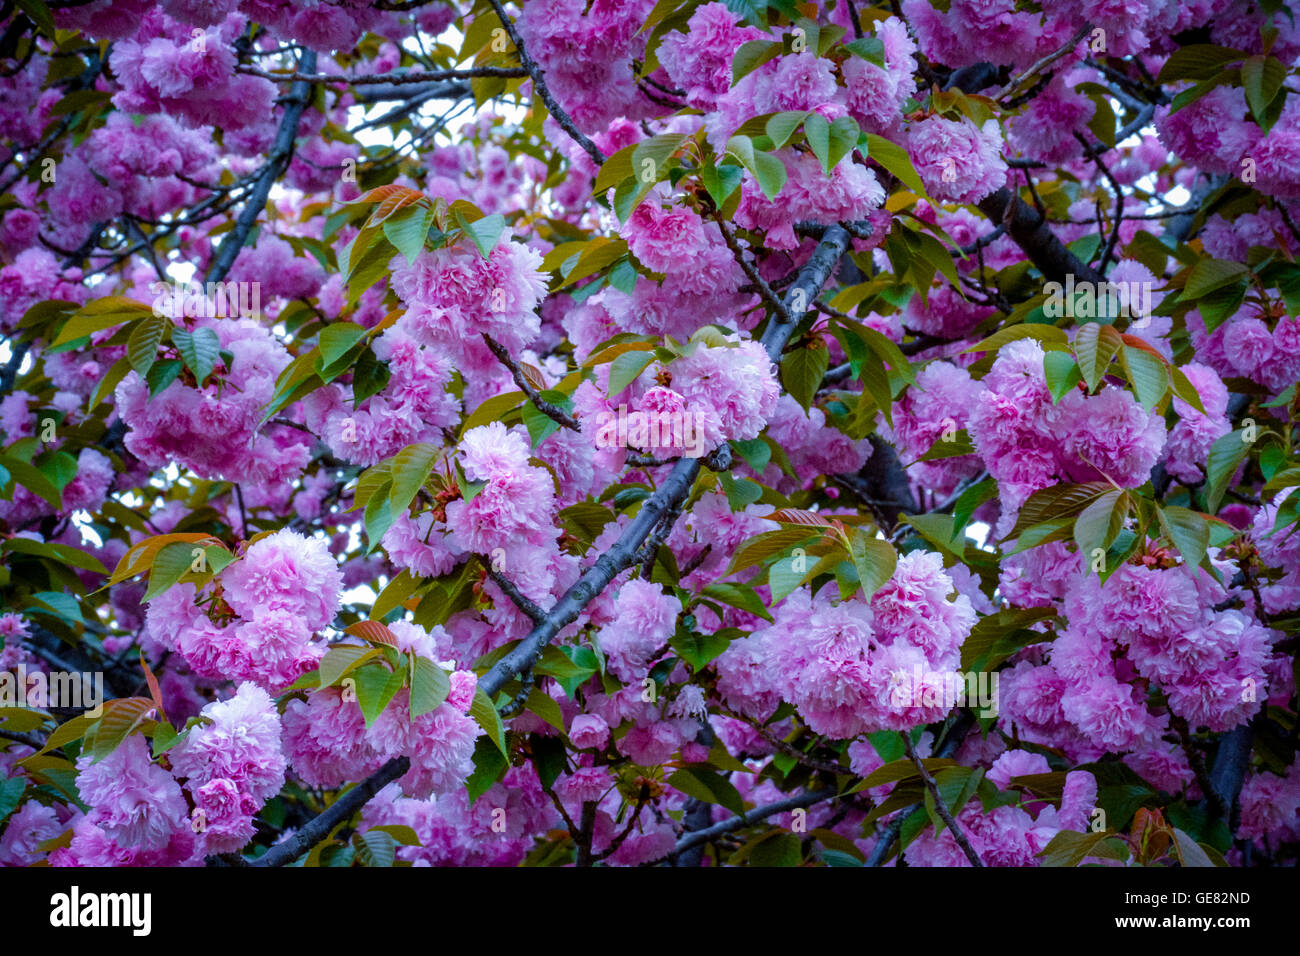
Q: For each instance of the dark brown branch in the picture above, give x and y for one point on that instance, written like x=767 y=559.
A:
x=517 y=597
x=939 y=805
x=539 y=86
x=276 y=163
x=340 y=810
x=552 y=412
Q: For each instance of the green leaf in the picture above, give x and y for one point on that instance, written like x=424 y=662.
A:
x=873 y=558
x=486 y=714
x=1094 y=346
x=1184 y=389
x=489 y=766
x=110 y=381
x=39 y=13
x=831 y=142
x=1102 y=124
x=871 y=49
x=756 y=452
x=1147 y=373
x=341 y=659
x=707 y=786
x=375 y=848
x=1209 y=274
x=781 y=126
x=970 y=499
x=1262 y=76
x=379 y=517
x=544 y=706
x=200 y=349
x=895 y=159
x=1198 y=61
x=483 y=232
x=1048 y=336
x=698 y=649
x=741 y=492
x=1062 y=373
x=1070 y=848
x=59 y=467
x=887 y=351
x=32 y=479
x=376 y=687
x=751 y=56
x=540 y=425
x=101 y=314
x=738 y=595
x=408 y=229
x=394 y=593
x=429 y=687
x=768 y=171
x=802 y=371
x=650 y=159
x=626 y=368
x=142 y=346
x=1189 y=532
x=721 y=181
x=940 y=530
x=1226 y=454
x=1099 y=523
x=11 y=794
x=1058 y=501
x=121 y=717
x=336 y=341
x=170 y=564
x=783 y=849
x=992 y=628
x=615 y=169
x=410 y=468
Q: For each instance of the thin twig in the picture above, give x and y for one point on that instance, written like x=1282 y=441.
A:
x=756 y=815
x=396 y=79
x=539 y=85
x=276 y=163
x=553 y=412
x=1046 y=61
x=517 y=597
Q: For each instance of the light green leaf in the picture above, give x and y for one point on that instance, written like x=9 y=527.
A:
x=429 y=687
x=895 y=159
x=200 y=349
x=142 y=347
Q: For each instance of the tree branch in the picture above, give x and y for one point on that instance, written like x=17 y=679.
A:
x=386 y=79
x=318 y=828
x=1036 y=238
x=756 y=815
x=276 y=163
x=670 y=495
x=539 y=85
x=939 y=805
x=519 y=599
x=552 y=412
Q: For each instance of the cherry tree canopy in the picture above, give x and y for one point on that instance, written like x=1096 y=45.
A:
x=619 y=432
